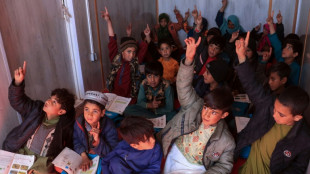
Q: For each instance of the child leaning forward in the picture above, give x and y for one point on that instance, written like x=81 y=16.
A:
x=138 y=152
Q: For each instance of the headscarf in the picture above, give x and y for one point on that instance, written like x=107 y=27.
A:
x=234 y=19
x=265 y=39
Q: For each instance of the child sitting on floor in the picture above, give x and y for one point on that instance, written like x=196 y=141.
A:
x=277 y=131
x=198 y=135
x=138 y=152
x=277 y=76
x=214 y=77
x=93 y=132
x=124 y=78
x=155 y=95
x=291 y=51
x=170 y=65
x=47 y=127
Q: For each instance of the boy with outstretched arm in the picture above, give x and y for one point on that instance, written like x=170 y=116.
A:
x=138 y=152
x=277 y=131
x=47 y=127
x=292 y=49
x=124 y=78
x=198 y=136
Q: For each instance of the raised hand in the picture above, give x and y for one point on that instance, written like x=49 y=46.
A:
x=234 y=36
x=19 y=74
x=267 y=55
x=129 y=30
x=195 y=12
x=258 y=27
x=147 y=30
x=224 y=5
x=191 y=47
x=186 y=15
x=241 y=46
x=269 y=20
x=198 y=22
x=105 y=14
x=176 y=11
x=279 y=17
x=95 y=131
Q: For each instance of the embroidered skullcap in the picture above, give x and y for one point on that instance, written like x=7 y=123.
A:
x=96 y=96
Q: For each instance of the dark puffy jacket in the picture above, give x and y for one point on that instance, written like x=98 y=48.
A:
x=125 y=159
x=292 y=153
x=32 y=114
x=108 y=137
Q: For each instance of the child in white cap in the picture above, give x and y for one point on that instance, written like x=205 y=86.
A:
x=93 y=132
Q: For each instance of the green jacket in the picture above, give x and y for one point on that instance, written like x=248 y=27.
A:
x=219 y=151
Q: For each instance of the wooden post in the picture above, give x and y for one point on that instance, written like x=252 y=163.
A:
x=99 y=45
x=305 y=45
x=295 y=16
x=270 y=7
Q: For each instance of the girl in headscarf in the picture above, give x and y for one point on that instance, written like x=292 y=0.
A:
x=229 y=26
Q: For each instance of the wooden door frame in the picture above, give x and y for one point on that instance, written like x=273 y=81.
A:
x=295 y=13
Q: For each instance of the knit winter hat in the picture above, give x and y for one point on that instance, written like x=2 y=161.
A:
x=218 y=69
x=96 y=96
x=127 y=42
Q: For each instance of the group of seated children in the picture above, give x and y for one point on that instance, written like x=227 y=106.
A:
x=218 y=63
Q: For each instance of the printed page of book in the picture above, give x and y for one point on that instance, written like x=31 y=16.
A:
x=93 y=168
x=68 y=160
x=111 y=97
x=244 y=98
x=21 y=164
x=6 y=161
x=159 y=122
x=241 y=122
x=119 y=104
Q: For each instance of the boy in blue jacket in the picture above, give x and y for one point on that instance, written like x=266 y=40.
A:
x=93 y=132
x=277 y=131
x=138 y=152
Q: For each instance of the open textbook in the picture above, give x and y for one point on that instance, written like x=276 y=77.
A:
x=69 y=161
x=117 y=103
x=15 y=163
